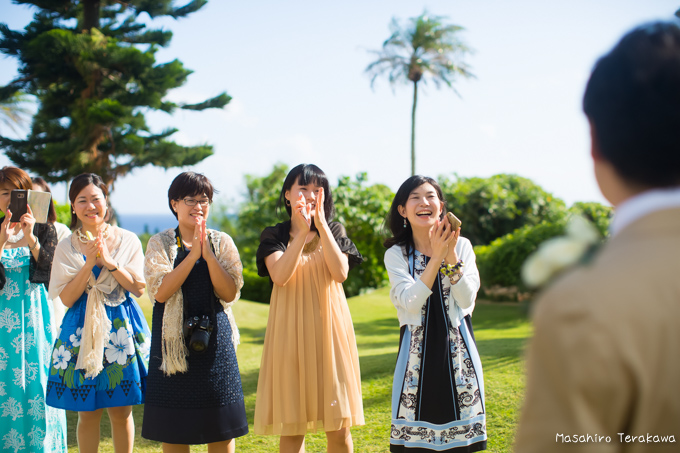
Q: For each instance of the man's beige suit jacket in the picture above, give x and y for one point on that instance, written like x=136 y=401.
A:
x=604 y=363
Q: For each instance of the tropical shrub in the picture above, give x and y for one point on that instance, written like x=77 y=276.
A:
x=500 y=262
x=361 y=209
x=493 y=207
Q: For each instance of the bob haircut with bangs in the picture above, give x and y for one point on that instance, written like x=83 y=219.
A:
x=189 y=184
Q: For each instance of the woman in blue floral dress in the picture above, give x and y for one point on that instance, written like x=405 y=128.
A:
x=101 y=357
x=27 y=329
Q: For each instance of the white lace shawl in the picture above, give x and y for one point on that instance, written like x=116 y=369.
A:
x=159 y=261
x=105 y=290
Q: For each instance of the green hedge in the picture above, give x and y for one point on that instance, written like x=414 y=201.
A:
x=500 y=262
x=255 y=288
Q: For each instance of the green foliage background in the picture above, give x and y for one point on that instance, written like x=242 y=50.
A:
x=493 y=207
x=360 y=208
x=506 y=216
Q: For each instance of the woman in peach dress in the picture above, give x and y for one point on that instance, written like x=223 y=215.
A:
x=309 y=376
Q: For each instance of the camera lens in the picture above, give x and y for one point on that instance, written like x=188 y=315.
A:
x=199 y=340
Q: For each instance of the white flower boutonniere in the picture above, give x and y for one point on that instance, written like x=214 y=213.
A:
x=560 y=253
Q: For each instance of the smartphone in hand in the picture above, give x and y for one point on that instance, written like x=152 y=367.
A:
x=454 y=221
x=18 y=203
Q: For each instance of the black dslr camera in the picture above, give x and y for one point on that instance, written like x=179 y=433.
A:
x=198 y=330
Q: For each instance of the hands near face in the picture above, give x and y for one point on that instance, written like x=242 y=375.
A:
x=27 y=222
x=200 y=245
x=300 y=215
x=443 y=241
x=7 y=227
x=319 y=213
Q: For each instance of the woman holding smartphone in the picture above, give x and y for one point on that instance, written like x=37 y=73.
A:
x=27 y=327
x=101 y=357
x=438 y=391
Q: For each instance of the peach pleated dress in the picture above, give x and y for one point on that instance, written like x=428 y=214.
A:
x=309 y=375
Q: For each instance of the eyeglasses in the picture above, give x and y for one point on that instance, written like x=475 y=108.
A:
x=192 y=202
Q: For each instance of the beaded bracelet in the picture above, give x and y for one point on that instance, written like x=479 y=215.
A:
x=451 y=269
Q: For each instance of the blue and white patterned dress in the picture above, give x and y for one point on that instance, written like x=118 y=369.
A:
x=438 y=390
x=122 y=382
x=125 y=357
x=26 y=338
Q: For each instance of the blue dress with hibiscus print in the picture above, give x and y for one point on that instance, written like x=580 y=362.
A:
x=122 y=382
x=26 y=338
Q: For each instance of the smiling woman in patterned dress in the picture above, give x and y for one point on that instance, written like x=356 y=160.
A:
x=101 y=357
x=438 y=391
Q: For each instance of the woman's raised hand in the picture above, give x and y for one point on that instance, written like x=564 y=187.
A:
x=103 y=251
x=206 y=251
x=27 y=222
x=297 y=217
x=197 y=239
x=441 y=237
x=6 y=226
x=319 y=213
x=92 y=249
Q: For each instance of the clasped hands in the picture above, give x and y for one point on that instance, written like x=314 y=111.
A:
x=200 y=244
x=443 y=241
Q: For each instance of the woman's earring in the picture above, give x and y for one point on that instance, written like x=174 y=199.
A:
x=287 y=202
x=404 y=222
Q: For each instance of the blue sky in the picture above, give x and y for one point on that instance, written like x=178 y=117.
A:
x=296 y=72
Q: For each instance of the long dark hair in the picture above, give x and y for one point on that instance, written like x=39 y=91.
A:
x=307 y=174
x=402 y=235
x=78 y=184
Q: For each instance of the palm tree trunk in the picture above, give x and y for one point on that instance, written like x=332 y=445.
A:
x=413 y=129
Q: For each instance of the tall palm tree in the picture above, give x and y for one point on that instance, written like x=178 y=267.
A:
x=13 y=111
x=424 y=48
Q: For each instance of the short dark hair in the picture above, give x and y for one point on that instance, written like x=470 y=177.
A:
x=189 y=184
x=51 y=213
x=633 y=102
x=394 y=222
x=78 y=184
x=308 y=174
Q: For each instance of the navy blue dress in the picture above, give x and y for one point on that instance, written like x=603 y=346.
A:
x=205 y=404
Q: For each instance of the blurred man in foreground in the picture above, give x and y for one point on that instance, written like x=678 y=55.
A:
x=604 y=365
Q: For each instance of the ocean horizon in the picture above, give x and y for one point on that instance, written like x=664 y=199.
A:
x=151 y=223
x=146 y=223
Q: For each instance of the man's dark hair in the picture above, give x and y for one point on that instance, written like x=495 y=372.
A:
x=633 y=101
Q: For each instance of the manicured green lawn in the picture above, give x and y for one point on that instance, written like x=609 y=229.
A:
x=501 y=331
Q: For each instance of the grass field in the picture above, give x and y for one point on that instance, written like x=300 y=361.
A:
x=501 y=331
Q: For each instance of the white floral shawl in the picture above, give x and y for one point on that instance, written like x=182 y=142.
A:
x=105 y=290
x=159 y=261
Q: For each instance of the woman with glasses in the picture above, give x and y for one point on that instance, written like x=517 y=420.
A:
x=194 y=274
x=101 y=357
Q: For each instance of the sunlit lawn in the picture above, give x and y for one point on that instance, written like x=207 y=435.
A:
x=501 y=331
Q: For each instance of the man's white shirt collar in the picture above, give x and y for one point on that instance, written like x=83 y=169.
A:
x=643 y=204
